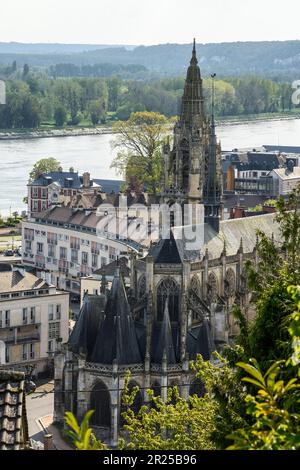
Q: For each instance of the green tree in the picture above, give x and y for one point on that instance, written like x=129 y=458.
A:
x=25 y=70
x=97 y=111
x=140 y=140
x=275 y=407
x=45 y=165
x=60 y=115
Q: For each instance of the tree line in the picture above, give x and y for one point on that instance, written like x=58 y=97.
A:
x=35 y=99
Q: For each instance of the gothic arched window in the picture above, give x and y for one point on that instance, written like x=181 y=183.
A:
x=212 y=288
x=244 y=282
x=100 y=402
x=168 y=289
x=194 y=294
x=229 y=283
x=195 y=285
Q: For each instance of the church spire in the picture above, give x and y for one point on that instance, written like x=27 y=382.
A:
x=212 y=190
x=194 y=59
x=192 y=101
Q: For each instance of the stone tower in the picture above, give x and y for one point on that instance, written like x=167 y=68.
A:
x=212 y=194
x=195 y=157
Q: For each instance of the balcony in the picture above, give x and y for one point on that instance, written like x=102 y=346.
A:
x=22 y=339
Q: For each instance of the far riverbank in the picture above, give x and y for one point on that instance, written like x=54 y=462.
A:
x=102 y=130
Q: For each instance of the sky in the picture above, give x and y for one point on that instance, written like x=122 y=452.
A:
x=148 y=21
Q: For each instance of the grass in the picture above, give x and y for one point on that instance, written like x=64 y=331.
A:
x=7 y=238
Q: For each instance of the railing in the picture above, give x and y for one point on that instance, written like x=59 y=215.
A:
x=137 y=368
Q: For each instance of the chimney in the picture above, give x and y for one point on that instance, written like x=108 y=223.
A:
x=237 y=212
x=86 y=180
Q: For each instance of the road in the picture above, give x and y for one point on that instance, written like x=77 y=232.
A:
x=38 y=405
x=10 y=259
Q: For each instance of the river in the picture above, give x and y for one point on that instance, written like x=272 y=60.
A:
x=94 y=154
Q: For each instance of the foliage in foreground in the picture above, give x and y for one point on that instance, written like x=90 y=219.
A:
x=163 y=426
x=275 y=407
x=81 y=435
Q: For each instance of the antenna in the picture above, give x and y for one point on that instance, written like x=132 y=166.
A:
x=213 y=76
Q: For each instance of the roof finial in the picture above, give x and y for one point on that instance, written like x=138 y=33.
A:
x=194 y=55
x=213 y=76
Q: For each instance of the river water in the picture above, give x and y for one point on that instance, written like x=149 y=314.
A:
x=94 y=154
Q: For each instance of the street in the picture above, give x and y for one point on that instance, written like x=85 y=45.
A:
x=39 y=404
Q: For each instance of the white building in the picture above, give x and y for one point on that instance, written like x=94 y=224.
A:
x=34 y=319
x=286 y=180
x=64 y=245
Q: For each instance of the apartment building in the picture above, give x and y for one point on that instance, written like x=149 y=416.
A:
x=64 y=245
x=34 y=319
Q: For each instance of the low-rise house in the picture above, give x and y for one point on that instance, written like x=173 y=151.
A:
x=286 y=179
x=59 y=187
x=34 y=320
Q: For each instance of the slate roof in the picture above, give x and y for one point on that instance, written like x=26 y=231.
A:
x=113 y=334
x=231 y=233
x=13 y=419
x=284 y=174
x=164 y=345
x=116 y=338
x=166 y=251
x=282 y=148
x=65 y=179
x=200 y=341
x=261 y=161
x=110 y=269
x=14 y=281
x=84 y=334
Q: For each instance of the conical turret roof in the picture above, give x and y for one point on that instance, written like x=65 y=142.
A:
x=117 y=338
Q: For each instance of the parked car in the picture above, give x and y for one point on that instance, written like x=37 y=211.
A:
x=9 y=253
x=30 y=387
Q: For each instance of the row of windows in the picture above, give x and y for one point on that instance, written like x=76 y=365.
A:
x=28 y=352
x=63 y=252
x=35 y=192
x=29 y=293
x=28 y=317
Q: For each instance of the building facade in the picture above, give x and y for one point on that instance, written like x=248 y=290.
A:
x=34 y=319
x=64 y=245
